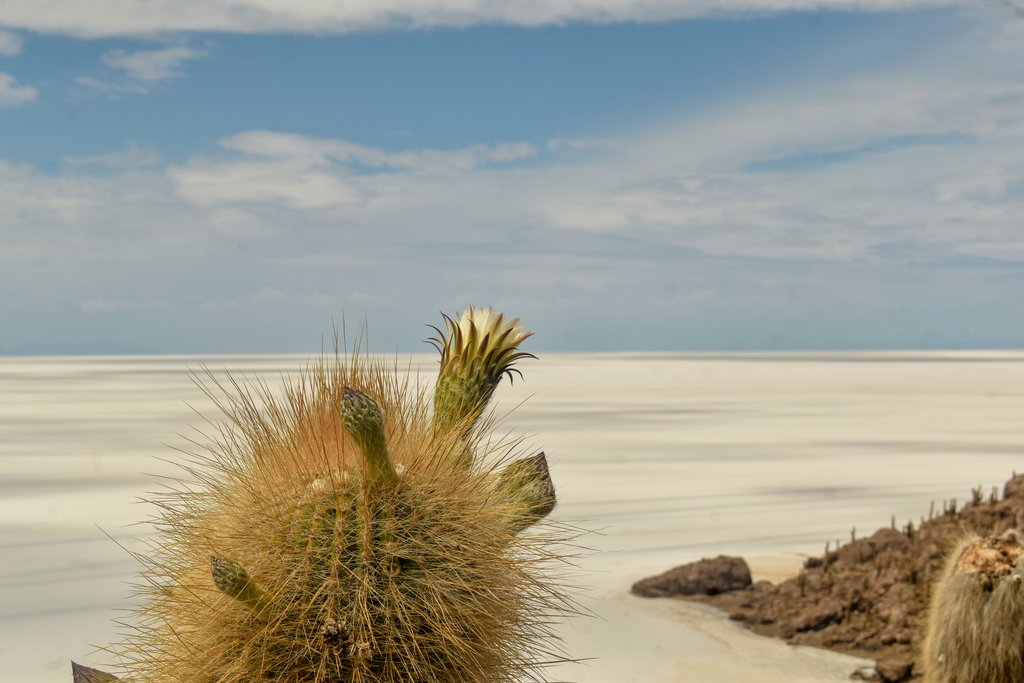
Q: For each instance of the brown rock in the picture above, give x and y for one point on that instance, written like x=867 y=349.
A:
x=1015 y=487
x=818 y=617
x=707 y=577
x=894 y=670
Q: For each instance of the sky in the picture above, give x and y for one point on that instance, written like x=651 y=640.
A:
x=239 y=176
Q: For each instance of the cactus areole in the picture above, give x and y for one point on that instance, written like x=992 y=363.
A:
x=348 y=531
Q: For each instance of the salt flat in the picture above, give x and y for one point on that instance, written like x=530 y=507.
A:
x=666 y=458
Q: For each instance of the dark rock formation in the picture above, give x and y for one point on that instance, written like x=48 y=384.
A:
x=706 y=577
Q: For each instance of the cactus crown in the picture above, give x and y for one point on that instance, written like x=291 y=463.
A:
x=340 y=534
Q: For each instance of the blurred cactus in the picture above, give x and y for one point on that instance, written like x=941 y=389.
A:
x=527 y=489
x=346 y=533
x=975 y=629
x=84 y=674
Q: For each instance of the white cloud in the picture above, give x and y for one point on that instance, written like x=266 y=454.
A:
x=152 y=65
x=299 y=186
x=14 y=95
x=128 y=17
x=11 y=44
x=317 y=173
x=141 y=70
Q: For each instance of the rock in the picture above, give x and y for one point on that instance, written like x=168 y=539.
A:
x=894 y=670
x=1014 y=488
x=706 y=577
x=864 y=673
x=821 y=615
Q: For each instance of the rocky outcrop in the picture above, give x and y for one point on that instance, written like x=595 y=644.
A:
x=866 y=598
x=706 y=577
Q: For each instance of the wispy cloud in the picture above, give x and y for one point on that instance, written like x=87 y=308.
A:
x=12 y=94
x=317 y=173
x=133 y=157
x=11 y=44
x=152 y=65
x=129 y=17
x=321 y=151
x=139 y=71
x=102 y=305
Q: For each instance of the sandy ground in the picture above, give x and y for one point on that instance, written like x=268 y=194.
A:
x=664 y=458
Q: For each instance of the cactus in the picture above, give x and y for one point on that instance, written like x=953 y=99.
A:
x=975 y=629
x=346 y=533
x=85 y=674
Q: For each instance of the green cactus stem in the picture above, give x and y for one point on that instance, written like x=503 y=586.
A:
x=364 y=423
x=85 y=674
x=975 y=627
x=476 y=352
x=527 y=487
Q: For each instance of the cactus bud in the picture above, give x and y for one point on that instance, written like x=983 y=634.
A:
x=231 y=579
x=85 y=674
x=527 y=488
x=365 y=424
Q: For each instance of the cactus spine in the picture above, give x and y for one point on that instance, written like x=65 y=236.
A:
x=346 y=533
x=975 y=629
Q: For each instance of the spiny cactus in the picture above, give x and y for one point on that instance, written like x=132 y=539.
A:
x=346 y=533
x=975 y=630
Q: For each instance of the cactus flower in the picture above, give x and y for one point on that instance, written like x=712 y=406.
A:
x=476 y=352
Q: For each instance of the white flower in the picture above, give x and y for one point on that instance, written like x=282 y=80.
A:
x=475 y=352
x=482 y=334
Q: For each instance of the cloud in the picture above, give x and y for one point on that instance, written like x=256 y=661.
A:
x=141 y=70
x=95 y=18
x=11 y=44
x=297 y=185
x=133 y=157
x=926 y=160
x=14 y=95
x=152 y=65
x=322 y=151
x=872 y=211
x=317 y=173
x=102 y=305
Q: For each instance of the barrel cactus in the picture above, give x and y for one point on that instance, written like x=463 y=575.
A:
x=348 y=532
x=975 y=630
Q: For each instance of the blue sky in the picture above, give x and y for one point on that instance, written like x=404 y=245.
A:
x=231 y=177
